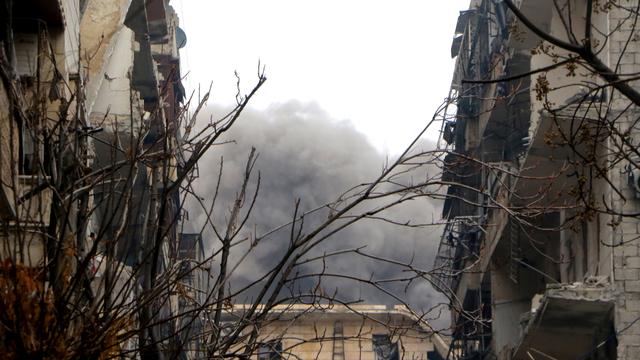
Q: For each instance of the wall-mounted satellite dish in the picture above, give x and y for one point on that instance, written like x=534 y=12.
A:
x=181 y=38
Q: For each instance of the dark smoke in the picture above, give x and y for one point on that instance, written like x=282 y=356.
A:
x=305 y=154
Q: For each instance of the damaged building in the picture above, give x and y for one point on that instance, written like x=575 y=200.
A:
x=540 y=252
x=134 y=94
x=90 y=103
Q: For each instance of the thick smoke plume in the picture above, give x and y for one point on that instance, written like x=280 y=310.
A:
x=306 y=155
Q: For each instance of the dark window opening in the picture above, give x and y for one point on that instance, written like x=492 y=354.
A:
x=271 y=350
x=83 y=7
x=384 y=349
x=28 y=162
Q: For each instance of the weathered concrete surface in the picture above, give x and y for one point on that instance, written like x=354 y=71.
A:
x=102 y=21
x=568 y=321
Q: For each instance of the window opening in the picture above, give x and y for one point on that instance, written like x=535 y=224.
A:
x=384 y=349
x=271 y=350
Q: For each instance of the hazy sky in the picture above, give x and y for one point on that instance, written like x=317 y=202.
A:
x=383 y=65
x=292 y=139
x=332 y=66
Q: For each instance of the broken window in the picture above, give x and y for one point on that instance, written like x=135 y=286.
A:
x=383 y=348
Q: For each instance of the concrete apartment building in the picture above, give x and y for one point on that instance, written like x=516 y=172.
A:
x=133 y=91
x=85 y=83
x=134 y=95
x=129 y=75
x=39 y=56
x=540 y=252
x=367 y=332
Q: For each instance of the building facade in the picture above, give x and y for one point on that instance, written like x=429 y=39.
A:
x=338 y=332
x=540 y=249
x=40 y=75
x=90 y=101
x=134 y=95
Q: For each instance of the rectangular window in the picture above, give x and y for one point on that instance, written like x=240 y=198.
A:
x=27 y=165
x=271 y=350
x=384 y=349
x=26 y=53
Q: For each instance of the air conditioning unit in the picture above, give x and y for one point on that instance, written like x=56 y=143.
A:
x=26 y=54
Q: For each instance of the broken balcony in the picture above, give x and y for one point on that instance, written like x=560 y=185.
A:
x=569 y=322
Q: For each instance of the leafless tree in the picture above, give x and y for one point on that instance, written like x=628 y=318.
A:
x=91 y=252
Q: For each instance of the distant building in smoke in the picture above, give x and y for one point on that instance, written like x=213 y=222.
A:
x=538 y=285
x=337 y=332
